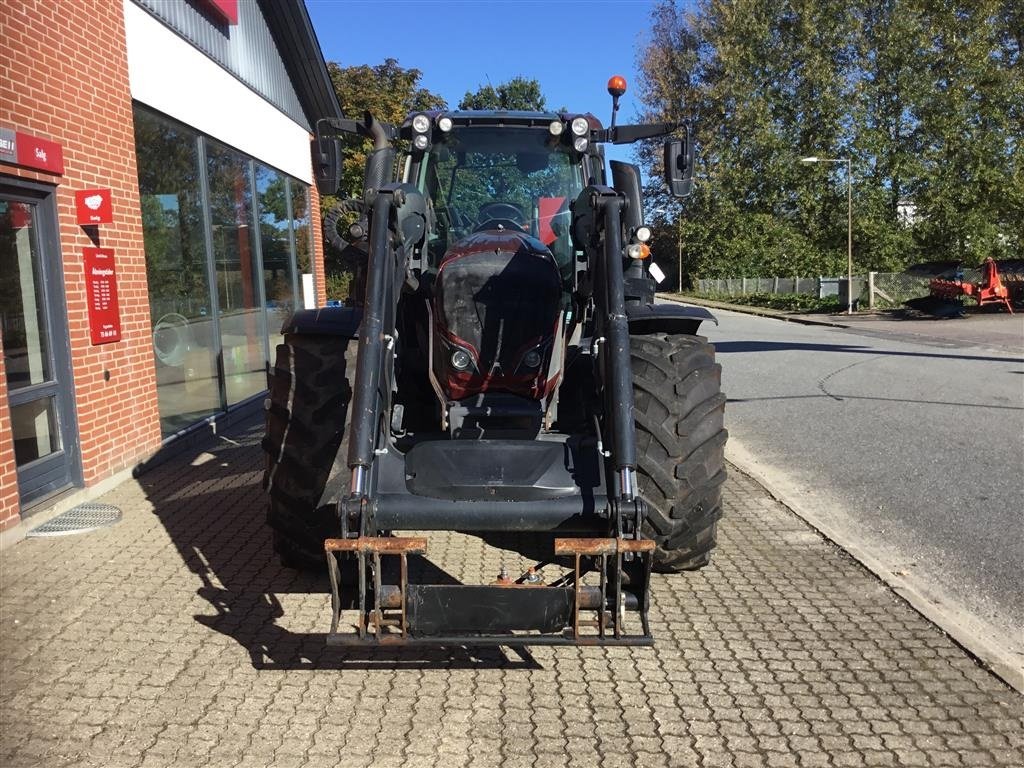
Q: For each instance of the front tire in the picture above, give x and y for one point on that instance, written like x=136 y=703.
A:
x=307 y=409
x=679 y=413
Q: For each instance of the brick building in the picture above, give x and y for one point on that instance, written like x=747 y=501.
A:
x=157 y=221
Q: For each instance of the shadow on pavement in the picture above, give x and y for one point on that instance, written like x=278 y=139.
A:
x=726 y=347
x=211 y=503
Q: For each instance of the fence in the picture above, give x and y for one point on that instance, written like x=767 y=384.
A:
x=873 y=291
x=876 y=290
x=743 y=286
x=891 y=290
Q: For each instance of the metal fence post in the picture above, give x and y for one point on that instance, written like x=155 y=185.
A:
x=743 y=286
x=775 y=285
x=871 y=289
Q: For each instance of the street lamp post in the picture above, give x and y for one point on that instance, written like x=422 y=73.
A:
x=849 y=223
x=679 y=243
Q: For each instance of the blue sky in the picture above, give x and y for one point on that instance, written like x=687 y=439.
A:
x=571 y=48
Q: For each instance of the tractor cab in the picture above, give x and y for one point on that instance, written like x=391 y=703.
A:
x=499 y=255
x=498 y=171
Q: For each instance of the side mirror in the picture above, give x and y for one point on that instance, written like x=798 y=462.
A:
x=326 y=164
x=679 y=165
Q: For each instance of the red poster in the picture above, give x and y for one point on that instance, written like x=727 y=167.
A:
x=93 y=206
x=101 y=295
x=225 y=10
x=41 y=154
x=548 y=208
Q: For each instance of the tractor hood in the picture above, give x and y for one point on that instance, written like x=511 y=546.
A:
x=497 y=312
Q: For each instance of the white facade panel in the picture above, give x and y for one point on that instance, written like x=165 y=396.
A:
x=169 y=75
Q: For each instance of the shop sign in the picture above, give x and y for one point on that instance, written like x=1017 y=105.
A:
x=8 y=146
x=224 y=10
x=31 y=151
x=101 y=295
x=92 y=206
x=41 y=154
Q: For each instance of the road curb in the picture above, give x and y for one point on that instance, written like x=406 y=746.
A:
x=774 y=314
x=966 y=632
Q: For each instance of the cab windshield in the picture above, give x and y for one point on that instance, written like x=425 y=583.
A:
x=480 y=178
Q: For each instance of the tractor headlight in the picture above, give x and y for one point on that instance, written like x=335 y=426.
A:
x=420 y=141
x=643 y=234
x=556 y=128
x=638 y=251
x=531 y=359
x=461 y=360
x=580 y=143
x=421 y=123
x=580 y=126
x=444 y=123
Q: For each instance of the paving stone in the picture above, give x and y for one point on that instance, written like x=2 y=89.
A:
x=175 y=639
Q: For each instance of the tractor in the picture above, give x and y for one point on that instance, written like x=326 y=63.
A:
x=505 y=372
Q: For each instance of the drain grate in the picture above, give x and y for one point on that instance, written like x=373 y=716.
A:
x=84 y=517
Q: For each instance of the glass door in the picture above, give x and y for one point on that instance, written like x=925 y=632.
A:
x=35 y=346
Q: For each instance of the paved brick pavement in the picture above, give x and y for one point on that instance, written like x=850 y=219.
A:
x=174 y=639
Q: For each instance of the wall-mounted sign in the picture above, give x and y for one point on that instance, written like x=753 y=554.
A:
x=31 y=151
x=224 y=10
x=92 y=206
x=8 y=146
x=101 y=295
x=41 y=154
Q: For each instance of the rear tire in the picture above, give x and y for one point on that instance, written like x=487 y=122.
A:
x=679 y=412
x=307 y=409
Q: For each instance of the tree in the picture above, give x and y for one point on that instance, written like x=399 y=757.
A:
x=388 y=91
x=762 y=87
x=924 y=98
x=970 y=198
x=519 y=93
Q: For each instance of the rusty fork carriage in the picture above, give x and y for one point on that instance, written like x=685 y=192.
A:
x=509 y=612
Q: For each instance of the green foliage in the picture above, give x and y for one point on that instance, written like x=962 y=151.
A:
x=926 y=99
x=389 y=92
x=338 y=284
x=519 y=93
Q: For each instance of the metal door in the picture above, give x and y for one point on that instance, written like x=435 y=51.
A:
x=35 y=342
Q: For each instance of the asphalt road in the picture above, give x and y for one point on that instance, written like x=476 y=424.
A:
x=912 y=446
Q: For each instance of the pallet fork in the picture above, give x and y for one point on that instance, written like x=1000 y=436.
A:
x=510 y=613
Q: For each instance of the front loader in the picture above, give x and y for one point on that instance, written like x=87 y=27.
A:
x=504 y=373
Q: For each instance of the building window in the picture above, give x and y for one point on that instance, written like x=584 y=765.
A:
x=239 y=301
x=223 y=236
x=180 y=303
x=279 y=280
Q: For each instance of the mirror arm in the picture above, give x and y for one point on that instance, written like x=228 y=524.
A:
x=370 y=128
x=627 y=134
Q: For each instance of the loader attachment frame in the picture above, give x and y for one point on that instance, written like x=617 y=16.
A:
x=599 y=533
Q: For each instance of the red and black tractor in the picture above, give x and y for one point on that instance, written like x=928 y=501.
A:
x=506 y=372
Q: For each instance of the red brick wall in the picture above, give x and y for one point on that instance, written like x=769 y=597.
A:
x=64 y=77
x=320 y=276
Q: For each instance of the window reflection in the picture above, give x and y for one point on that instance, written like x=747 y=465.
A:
x=22 y=312
x=241 y=313
x=176 y=271
x=303 y=234
x=251 y=301
x=278 y=264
